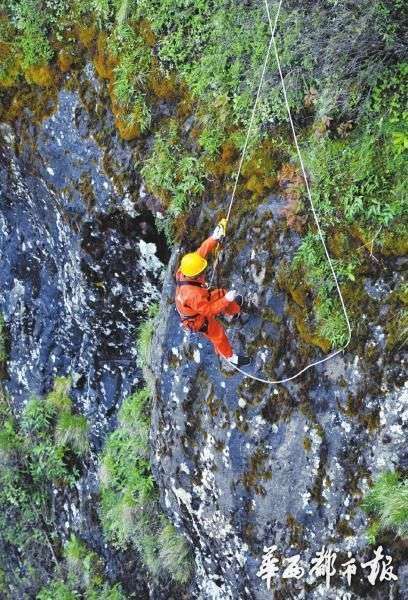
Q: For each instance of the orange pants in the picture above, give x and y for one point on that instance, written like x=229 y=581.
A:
x=215 y=332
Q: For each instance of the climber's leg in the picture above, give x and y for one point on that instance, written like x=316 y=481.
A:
x=216 y=334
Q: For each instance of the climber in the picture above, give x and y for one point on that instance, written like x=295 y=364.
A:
x=198 y=306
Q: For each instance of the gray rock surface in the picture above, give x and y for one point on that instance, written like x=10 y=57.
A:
x=243 y=466
x=80 y=259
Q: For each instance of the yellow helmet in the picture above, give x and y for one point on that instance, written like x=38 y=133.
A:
x=192 y=264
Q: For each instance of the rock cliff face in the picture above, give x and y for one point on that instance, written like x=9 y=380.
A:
x=80 y=261
x=241 y=465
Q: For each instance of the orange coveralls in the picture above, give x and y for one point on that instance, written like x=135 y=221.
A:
x=199 y=306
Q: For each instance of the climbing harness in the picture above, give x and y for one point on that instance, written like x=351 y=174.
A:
x=272 y=44
x=193 y=283
x=195 y=323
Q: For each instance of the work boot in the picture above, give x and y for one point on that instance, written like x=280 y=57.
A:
x=239 y=300
x=239 y=360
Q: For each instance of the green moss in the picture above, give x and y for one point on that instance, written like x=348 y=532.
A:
x=394 y=242
x=373 y=531
x=329 y=327
x=344 y=529
x=402 y=293
x=260 y=170
x=56 y=589
x=174 y=554
x=307 y=444
x=305 y=330
x=40 y=102
x=255 y=472
x=397 y=329
x=339 y=244
x=270 y=316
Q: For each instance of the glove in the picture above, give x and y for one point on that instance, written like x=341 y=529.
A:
x=231 y=295
x=219 y=231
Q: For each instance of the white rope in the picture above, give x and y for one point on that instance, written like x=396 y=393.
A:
x=251 y=121
x=309 y=194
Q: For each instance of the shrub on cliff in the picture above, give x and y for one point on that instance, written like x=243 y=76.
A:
x=31 y=40
x=84 y=577
x=130 y=511
x=174 y=175
x=33 y=466
x=358 y=178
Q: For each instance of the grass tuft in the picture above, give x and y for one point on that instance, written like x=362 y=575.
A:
x=59 y=396
x=175 y=554
x=72 y=430
x=387 y=501
x=145 y=336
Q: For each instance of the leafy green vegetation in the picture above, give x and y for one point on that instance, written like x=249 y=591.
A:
x=358 y=184
x=134 y=63
x=130 y=511
x=40 y=454
x=217 y=50
x=133 y=58
x=330 y=321
x=34 y=462
x=84 y=577
x=173 y=175
x=213 y=53
x=387 y=502
x=397 y=323
x=361 y=176
x=32 y=39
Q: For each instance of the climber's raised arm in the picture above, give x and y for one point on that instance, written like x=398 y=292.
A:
x=212 y=242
